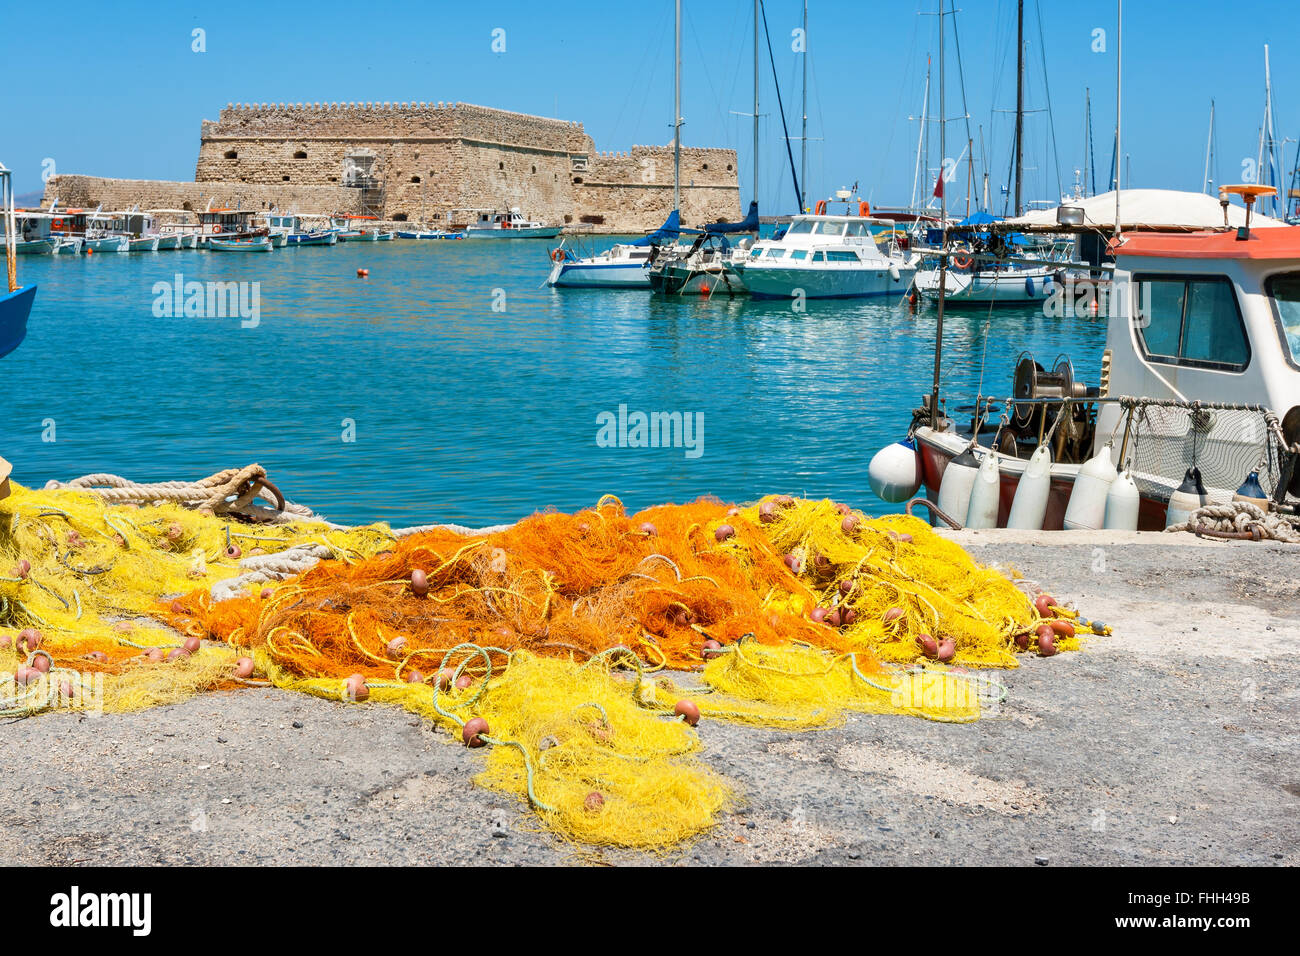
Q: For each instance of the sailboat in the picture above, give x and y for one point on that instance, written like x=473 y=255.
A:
x=16 y=304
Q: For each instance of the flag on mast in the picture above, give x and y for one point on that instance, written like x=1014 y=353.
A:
x=938 y=186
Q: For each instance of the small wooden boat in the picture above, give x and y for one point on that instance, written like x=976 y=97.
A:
x=430 y=234
x=258 y=244
x=16 y=303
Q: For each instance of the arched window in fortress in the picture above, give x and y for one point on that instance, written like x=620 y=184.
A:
x=284 y=179
x=577 y=180
x=399 y=217
x=706 y=165
x=231 y=154
x=415 y=179
x=501 y=165
x=300 y=154
x=534 y=169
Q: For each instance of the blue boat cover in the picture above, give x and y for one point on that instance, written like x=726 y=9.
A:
x=668 y=232
x=748 y=224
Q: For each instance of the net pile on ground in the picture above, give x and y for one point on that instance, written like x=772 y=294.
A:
x=566 y=604
x=79 y=579
x=895 y=586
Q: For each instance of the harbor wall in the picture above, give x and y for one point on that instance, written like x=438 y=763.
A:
x=434 y=162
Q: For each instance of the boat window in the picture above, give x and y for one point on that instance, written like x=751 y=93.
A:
x=775 y=253
x=831 y=229
x=819 y=257
x=755 y=253
x=842 y=255
x=1193 y=321
x=857 y=229
x=798 y=253
x=801 y=227
x=1284 y=291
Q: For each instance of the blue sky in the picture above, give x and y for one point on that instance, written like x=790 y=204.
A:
x=132 y=106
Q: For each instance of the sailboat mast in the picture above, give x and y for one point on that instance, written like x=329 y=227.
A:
x=677 y=111
x=803 y=142
x=943 y=223
x=1020 y=100
x=755 y=193
x=1119 y=103
x=922 y=138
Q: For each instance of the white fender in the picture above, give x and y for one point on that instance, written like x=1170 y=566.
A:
x=955 y=487
x=1029 y=507
x=1189 y=496
x=894 y=472
x=1087 y=508
x=1122 y=504
x=982 y=511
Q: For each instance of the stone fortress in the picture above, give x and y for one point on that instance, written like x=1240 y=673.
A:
x=431 y=163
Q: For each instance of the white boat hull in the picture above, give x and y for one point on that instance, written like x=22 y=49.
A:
x=824 y=282
x=107 y=244
x=593 y=274
x=524 y=232
x=1013 y=287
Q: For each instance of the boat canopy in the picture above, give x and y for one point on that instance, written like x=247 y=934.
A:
x=748 y=224
x=668 y=232
x=1156 y=209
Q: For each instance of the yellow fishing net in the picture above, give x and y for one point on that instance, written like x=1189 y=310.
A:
x=555 y=633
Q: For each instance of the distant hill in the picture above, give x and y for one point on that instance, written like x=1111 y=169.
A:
x=30 y=200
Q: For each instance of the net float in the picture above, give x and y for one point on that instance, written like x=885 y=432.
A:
x=1047 y=642
x=818 y=614
x=647 y=529
x=419 y=583
x=822 y=563
x=99 y=656
x=176 y=653
x=843 y=508
x=687 y=709
x=767 y=512
x=1062 y=628
x=733 y=511
x=354 y=688
x=266 y=593
x=711 y=649
x=1044 y=604
x=192 y=644
x=680 y=616
x=244 y=668
x=929 y=646
x=178 y=607
x=846 y=586
x=174 y=531
x=65 y=690
x=6 y=642
x=75 y=540
x=947 y=650
x=41 y=662
x=443 y=680
x=396 y=648
x=1022 y=640
x=834 y=618
x=155 y=654
x=414 y=677
x=785 y=501
x=848 y=616
x=892 y=615
x=793 y=563
x=849 y=524
x=22 y=569
x=724 y=532
x=464 y=681
x=26 y=675
x=233 y=551
x=594 y=801
x=29 y=639
x=473 y=730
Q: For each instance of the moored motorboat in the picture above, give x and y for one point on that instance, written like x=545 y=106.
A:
x=491 y=224
x=33 y=233
x=252 y=244
x=16 y=303
x=625 y=265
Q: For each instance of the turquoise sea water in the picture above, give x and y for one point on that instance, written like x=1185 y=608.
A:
x=466 y=414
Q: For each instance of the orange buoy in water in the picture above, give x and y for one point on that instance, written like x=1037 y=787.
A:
x=90 y=252
x=362 y=273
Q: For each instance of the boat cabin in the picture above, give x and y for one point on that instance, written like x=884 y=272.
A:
x=229 y=223
x=828 y=239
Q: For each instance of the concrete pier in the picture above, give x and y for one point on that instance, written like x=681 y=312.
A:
x=1172 y=742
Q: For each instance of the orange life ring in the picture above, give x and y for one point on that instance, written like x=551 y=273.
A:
x=962 y=262
x=557 y=255
x=820 y=208
x=216 y=229
x=58 y=224
x=864 y=209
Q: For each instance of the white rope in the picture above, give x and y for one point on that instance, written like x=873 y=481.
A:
x=1241 y=517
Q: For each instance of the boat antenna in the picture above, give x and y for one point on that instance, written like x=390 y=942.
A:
x=1020 y=101
x=1209 y=151
x=789 y=151
x=803 y=141
x=943 y=222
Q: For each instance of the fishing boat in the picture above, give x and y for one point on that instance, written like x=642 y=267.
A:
x=490 y=224
x=229 y=224
x=68 y=245
x=16 y=303
x=319 y=238
x=826 y=256
x=254 y=244
x=352 y=228
x=1198 y=399
x=430 y=234
x=33 y=235
x=93 y=228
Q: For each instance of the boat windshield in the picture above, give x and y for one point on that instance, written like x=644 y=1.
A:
x=1284 y=290
x=800 y=227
